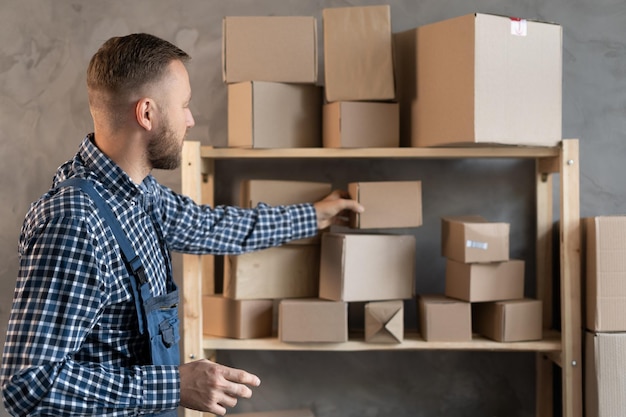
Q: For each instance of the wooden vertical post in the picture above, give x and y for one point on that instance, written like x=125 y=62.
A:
x=544 y=170
x=570 y=253
x=191 y=173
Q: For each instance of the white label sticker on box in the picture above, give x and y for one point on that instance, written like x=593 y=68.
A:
x=519 y=27
x=476 y=245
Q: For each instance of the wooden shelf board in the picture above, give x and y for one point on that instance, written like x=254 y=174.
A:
x=412 y=341
x=442 y=153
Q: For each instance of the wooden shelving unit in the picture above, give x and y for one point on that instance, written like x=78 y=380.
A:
x=561 y=348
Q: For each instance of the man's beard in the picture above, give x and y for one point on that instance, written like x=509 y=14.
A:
x=164 y=150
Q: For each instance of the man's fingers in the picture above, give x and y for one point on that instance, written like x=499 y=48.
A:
x=241 y=377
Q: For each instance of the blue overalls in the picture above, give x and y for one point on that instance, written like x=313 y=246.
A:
x=158 y=315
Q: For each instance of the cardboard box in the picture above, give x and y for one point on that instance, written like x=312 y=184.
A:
x=313 y=320
x=288 y=271
x=277 y=413
x=281 y=192
x=274 y=115
x=474 y=239
x=384 y=321
x=358 y=58
x=353 y=124
x=605 y=281
x=508 y=321
x=444 y=319
x=269 y=48
x=479 y=282
x=367 y=267
x=480 y=78
x=605 y=379
x=388 y=204
x=239 y=319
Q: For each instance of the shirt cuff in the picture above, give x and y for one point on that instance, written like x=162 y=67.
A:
x=304 y=220
x=161 y=387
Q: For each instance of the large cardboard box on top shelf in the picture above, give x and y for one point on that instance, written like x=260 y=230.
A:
x=367 y=267
x=605 y=280
x=274 y=115
x=312 y=320
x=388 y=204
x=508 y=321
x=605 y=379
x=288 y=271
x=284 y=192
x=473 y=239
x=269 y=48
x=358 y=58
x=359 y=124
x=480 y=78
x=238 y=319
x=444 y=319
x=489 y=281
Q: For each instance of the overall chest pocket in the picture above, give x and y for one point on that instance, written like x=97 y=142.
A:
x=164 y=329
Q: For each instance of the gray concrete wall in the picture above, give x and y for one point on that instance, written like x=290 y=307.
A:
x=45 y=47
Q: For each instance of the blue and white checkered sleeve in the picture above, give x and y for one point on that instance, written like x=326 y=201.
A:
x=232 y=230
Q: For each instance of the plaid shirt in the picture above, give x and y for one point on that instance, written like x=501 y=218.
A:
x=73 y=346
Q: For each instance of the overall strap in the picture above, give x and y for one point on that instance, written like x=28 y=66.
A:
x=132 y=261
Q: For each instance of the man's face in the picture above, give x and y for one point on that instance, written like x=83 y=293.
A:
x=166 y=142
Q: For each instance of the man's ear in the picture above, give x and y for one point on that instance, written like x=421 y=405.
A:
x=145 y=113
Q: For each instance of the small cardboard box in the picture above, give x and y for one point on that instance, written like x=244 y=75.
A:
x=479 y=282
x=238 y=319
x=508 y=321
x=605 y=280
x=605 y=379
x=269 y=48
x=384 y=321
x=358 y=58
x=288 y=271
x=473 y=239
x=444 y=319
x=284 y=192
x=353 y=124
x=277 y=413
x=274 y=115
x=480 y=78
x=312 y=320
x=388 y=204
x=367 y=267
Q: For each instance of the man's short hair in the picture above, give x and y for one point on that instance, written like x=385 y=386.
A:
x=125 y=64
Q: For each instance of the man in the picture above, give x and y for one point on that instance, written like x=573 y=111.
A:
x=82 y=339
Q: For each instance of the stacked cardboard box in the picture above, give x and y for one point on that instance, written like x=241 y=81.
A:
x=444 y=319
x=480 y=273
x=480 y=78
x=381 y=198
x=270 y=66
x=360 y=110
x=605 y=308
